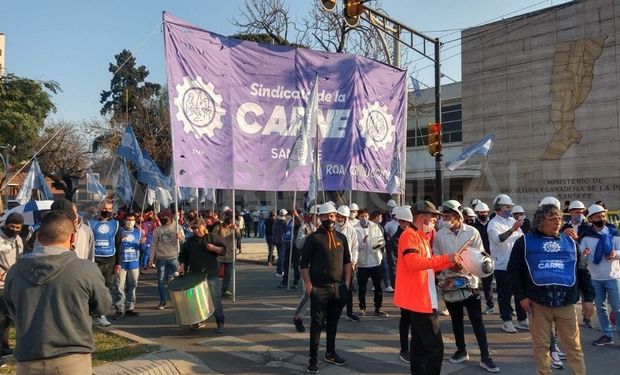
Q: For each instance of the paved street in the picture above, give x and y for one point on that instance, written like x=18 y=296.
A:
x=260 y=337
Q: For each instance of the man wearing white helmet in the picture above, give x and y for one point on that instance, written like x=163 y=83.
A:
x=353 y=208
x=326 y=269
x=547 y=277
x=344 y=226
x=601 y=247
x=449 y=239
x=576 y=224
x=518 y=213
x=482 y=213
x=503 y=231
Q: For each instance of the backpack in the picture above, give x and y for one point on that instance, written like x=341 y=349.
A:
x=288 y=231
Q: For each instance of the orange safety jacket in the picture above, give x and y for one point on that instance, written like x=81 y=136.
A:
x=415 y=272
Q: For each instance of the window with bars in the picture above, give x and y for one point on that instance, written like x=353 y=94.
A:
x=451 y=127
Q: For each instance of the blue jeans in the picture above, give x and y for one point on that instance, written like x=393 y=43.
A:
x=216 y=296
x=261 y=228
x=385 y=272
x=607 y=291
x=165 y=272
x=280 y=264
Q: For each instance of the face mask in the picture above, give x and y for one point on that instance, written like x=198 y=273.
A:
x=482 y=218
x=364 y=222
x=469 y=221
x=505 y=214
x=578 y=219
x=353 y=215
x=105 y=214
x=10 y=232
x=446 y=224
x=327 y=224
x=427 y=228
x=599 y=223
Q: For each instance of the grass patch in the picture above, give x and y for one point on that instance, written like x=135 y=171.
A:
x=108 y=348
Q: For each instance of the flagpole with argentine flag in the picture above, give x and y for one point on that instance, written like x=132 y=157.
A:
x=481 y=147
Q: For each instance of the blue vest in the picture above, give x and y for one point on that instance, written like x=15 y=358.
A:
x=550 y=260
x=105 y=232
x=130 y=248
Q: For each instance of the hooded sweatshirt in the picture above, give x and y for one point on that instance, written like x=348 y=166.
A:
x=50 y=295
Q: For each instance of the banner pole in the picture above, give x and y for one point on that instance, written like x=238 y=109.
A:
x=234 y=249
x=290 y=254
x=404 y=157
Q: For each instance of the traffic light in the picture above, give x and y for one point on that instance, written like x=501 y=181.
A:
x=434 y=138
x=329 y=5
x=352 y=11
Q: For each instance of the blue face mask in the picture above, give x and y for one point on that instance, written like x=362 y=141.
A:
x=578 y=220
x=505 y=214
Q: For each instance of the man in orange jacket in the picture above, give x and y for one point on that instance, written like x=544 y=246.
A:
x=415 y=288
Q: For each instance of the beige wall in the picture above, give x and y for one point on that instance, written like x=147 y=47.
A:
x=546 y=84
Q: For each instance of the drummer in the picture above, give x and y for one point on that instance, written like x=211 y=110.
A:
x=199 y=255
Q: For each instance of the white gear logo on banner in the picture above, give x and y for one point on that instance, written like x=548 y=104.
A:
x=199 y=107
x=377 y=126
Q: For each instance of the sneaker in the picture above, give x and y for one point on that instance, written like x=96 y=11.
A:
x=268 y=264
x=389 y=289
x=489 y=310
x=603 y=340
x=459 y=356
x=312 y=368
x=282 y=285
x=353 y=317
x=523 y=324
x=161 y=306
x=6 y=351
x=556 y=362
x=381 y=313
x=220 y=328
x=197 y=326
x=279 y=274
x=362 y=312
x=227 y=294
x=118 y=314
x=488 y=365
x=587 y=323
x=509 y=327
x=131 y=313
x=405 y=356
x=102 y=321
x=335 y=359
x=444 y=312
x=561 y=354
x=299 y=325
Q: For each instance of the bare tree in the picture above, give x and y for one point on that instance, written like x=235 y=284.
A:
x=269 y=17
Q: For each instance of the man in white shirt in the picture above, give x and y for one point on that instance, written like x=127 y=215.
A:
x=503 y=231
x=344 y=226
x=370 y=241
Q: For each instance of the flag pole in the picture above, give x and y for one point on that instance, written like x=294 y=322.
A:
x=290 y=254
x=234 y=250
x=404 y=147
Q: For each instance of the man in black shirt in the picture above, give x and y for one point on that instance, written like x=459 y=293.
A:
x=199 y=255
x=326 y=269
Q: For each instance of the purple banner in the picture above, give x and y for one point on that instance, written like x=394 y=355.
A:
x=237 y=107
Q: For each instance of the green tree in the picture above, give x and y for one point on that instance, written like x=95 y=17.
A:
x=24 y=105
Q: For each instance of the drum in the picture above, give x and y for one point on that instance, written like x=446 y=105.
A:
x=191 y=299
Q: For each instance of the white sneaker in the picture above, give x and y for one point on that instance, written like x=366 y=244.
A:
x=444 y=312
x=389 y=289
x=523 y=324
x=102 y=321
x=509 y=327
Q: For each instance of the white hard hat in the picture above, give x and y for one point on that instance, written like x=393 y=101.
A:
x=354 y=207
x=481 y=207
x=575 y=205
x=403 y=213
x=453 y=205
x=550 y=200
x=503 y=199
x=595 y=209
x=327 y=208
x=283 y=212
x=344 y=211
x=391 y=203
x=469 y=212
x=475 y=201
x=226 y=209
x=477 y=262
x=313 y=210
x=518 y=210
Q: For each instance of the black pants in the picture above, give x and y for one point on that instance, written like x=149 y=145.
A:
x=474 y=311
x=404 y=325
x=255 y=225
x=504 y=296
x=487 y=288
x=426 y=344
x=350 y=296
x=107 y=270
x=5 y=323
x=326 y=302
x=294 y=262
x=376 y=274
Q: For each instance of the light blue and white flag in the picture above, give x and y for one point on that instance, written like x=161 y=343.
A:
x=150 y=173
x=482 y=147
x=416 y=87
x=122 y=184
x=129 y=147
x=394 y=183
x=301 y=152
x=34 y=180
x=93 y=185
x=163 y=196
x=210 y=195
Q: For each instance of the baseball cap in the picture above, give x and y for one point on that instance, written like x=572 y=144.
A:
x=423 y=207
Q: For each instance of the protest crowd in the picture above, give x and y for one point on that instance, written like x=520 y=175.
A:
x=435 y=261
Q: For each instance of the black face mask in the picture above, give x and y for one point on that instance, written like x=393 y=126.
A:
x=328 y=224
x=482 y=217
x=599 y=223
x=105 y=214
x=10 y=232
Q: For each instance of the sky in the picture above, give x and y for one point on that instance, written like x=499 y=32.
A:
x=73 y=42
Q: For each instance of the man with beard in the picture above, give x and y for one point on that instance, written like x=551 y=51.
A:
x=326 y=269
